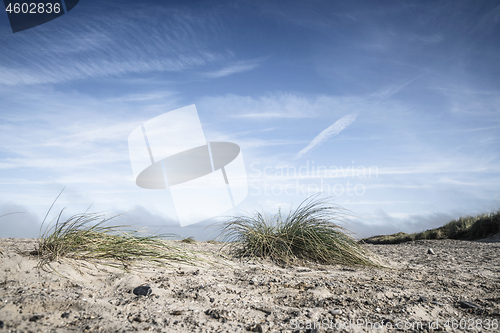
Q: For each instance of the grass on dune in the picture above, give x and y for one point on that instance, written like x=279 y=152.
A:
x=87 y=237
x=189 y=240
x=311 y=233
x=466 y=228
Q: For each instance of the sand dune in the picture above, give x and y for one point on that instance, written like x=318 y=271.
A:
x=459 y=285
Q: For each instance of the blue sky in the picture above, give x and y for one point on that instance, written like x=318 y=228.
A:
x=391 y=107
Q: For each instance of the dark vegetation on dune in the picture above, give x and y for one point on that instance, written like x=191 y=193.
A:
x=311 y=232
x=88 y=236
x=464 y=228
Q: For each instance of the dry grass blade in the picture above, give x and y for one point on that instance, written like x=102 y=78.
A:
x=311 y=232
x=87 y=237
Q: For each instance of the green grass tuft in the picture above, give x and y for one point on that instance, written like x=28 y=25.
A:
x=310 y=233
x=87 y=237
x=465 y=228
x=189 y=240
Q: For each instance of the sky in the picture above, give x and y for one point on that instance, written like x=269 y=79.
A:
x=390 y=109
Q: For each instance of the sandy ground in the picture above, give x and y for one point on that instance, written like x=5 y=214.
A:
x=420 y=292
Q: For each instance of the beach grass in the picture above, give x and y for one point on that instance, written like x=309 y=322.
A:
x=189 y=240
x=465 y=228
x=88 y=236
x=311 y=232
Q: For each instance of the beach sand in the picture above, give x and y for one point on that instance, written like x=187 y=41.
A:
x=459 y=285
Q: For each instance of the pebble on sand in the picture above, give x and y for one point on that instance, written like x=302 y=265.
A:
x=469 y=305
x=142 y=290
x=336 y=312
x=36 y=318
x=430 y=251
x=255 y=328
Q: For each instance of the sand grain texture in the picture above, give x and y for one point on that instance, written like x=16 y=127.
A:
x=235 y=296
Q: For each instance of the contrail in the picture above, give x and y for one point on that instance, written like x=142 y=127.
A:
x=334 y=129
x=388 y=93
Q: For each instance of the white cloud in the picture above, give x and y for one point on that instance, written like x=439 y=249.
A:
x=284 y=105
x=17 y=221
x=238 y=67
x=82 y=142
x=93 y=46
x=50 y=72
x=80 y=136
x=265 y=107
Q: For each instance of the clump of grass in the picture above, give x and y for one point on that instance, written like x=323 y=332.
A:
x=189 y=240
x=311 y=233
x=396 y=238
x=465 y=228
x=87 y=237
x=474 y=227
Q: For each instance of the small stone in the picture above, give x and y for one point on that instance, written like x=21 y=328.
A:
x=255 y=328
x=214 y=313
x=302 y=286
x=336 y=312
x=1 y=323
x=423 y=299
x=469 y=305
x=36 y=318
x=65 y=315
x=212 y=299
x=430 y=251
x=266 y=310
x=142 y=290
x=176 y=312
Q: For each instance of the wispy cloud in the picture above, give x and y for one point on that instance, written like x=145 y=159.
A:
x=326 y=134
x=246 y=142
x=51 y=72
x=267 y=115
x=448 y=180
x=239 y=67
x=93 y=46
x=471 y=165
x=83 y=136
x=278 y=105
